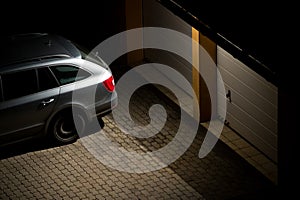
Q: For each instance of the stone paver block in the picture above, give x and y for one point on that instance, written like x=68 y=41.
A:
x=72 y=172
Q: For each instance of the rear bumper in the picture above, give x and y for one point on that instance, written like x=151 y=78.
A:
x=107 y=107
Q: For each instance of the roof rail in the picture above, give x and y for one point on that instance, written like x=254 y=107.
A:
x=35 y=59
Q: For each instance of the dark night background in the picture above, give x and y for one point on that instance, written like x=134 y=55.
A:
x=265 y=30
x=258 y=28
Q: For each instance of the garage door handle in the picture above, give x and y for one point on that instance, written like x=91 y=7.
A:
x=44 y=103
x=228 y=96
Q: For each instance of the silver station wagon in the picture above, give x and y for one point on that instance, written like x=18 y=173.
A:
x=39 y=74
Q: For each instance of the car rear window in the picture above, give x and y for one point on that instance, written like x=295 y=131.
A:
x=68 y=74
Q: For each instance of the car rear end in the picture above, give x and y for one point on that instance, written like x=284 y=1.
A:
x=96 y=93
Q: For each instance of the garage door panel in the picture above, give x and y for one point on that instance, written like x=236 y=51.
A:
x=260 y=130
x=171 y=60
x=248 y=76
x=248 y=93
x=251 y=109
x=163 y=17
x=166 y=19
x=247 y=133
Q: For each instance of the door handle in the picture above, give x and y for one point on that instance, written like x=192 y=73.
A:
x=46 y=102
x=228 y=96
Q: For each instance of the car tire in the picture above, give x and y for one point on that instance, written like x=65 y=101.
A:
x=63 y=129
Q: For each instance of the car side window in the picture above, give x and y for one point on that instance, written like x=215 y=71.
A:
x=46 y=79
x=68 y=74
x=17 y=84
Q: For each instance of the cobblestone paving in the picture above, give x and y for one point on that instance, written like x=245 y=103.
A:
x=38 y=170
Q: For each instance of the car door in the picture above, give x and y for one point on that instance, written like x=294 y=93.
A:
x=29 y=97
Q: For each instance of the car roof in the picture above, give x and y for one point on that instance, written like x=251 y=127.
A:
x=35 y=46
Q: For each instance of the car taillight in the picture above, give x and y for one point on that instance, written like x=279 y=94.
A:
x=109 y=84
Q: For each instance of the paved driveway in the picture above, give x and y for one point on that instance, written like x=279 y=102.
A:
x=39 y=170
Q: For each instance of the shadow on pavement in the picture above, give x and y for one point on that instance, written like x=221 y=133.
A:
x=222 y=174
x=32 y=145
x=25 y=147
